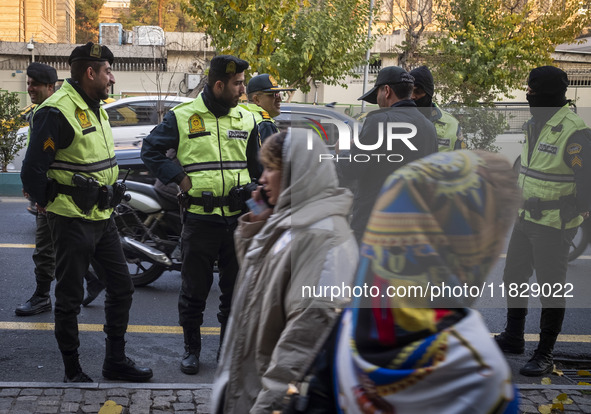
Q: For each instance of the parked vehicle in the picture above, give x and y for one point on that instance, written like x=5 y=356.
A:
x=133 y=118
x=149 y=225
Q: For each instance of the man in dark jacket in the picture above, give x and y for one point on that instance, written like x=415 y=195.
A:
x=383 y=147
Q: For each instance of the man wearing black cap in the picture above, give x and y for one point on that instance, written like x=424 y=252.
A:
x=216 y=143
x=41 y=79
x=392 y=92
x=449 y=133
x=555 y=178
x=70 y=170
x=264 y=97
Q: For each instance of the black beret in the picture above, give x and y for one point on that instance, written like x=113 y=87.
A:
x=42 y=73
x=227 y=64
x=548 y=80
x=424 y=79
x=90 y=51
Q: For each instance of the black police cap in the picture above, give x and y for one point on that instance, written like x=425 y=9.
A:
x=93 y=52
x=390 y=75
x=227 y=64
x=264 y=83
x=42 y=73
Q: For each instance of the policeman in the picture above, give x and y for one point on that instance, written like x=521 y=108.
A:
x=70 y=171
x=41 y=79
x=555 y=178
x=216 y=143
x=264 y=97
x=392 y=92
x=449 y=133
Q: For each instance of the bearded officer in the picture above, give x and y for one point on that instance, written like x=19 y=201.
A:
x=70 y=170
x=216 y=142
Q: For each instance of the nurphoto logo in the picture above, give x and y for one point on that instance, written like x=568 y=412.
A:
x=388 y=132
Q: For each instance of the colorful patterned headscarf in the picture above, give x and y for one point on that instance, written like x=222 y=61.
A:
x=439 y=220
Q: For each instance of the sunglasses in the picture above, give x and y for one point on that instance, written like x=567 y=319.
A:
x=275 y=94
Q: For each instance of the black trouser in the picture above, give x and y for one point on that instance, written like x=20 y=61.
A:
x=202 y=243
x=43 y=255
x=545 y=250
x=44 y=258
x=76 y=242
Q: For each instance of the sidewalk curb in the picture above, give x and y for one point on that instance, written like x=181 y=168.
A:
x=107 y=385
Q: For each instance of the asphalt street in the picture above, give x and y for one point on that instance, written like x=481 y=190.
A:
x=29 y=352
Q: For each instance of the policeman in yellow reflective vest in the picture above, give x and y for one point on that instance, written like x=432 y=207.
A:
x=216 y=142
x=264 y=101
x=70 y=170
x=449 y=133
x=41 y=79
x=555 y=178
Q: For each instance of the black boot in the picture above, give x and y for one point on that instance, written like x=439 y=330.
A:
x=543 y=362
x=118 y=366
x=73 y=370
x=540 y=364
x=511 y=341
x=93 y=288
x=38 y=303
x=190 y=361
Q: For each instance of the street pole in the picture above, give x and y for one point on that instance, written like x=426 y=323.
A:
x=366 y=69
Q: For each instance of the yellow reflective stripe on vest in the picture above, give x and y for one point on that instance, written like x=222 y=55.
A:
x=206 y=166
x=87 y=168
x=557 y=178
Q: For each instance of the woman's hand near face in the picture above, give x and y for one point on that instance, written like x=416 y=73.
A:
x=258 y=198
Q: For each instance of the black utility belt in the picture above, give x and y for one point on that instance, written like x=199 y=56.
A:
x=565 y=204
x=208 y=201
x=87 y=197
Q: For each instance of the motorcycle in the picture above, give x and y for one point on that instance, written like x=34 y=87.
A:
x=149 y=225
x=581 y=241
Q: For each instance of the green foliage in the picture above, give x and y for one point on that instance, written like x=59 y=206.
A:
x=487 y=47
x=480 y=126
x=87 y=16
x=10 y=122
x=297 y=42
x=170 y=15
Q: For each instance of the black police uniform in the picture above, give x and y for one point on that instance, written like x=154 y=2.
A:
x=205 y=238
x=539 y=247
x=78 y=240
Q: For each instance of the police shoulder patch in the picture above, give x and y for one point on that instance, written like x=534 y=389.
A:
x=265 y=115
x=574 y=149
x=49 y=145
x=576 y=161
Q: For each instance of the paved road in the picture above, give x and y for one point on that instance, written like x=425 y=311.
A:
x=29 y=352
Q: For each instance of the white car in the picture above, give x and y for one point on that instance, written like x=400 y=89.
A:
x=132 y=119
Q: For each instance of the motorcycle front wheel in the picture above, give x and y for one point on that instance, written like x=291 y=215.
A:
x=580 y=241
x=142 y=272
